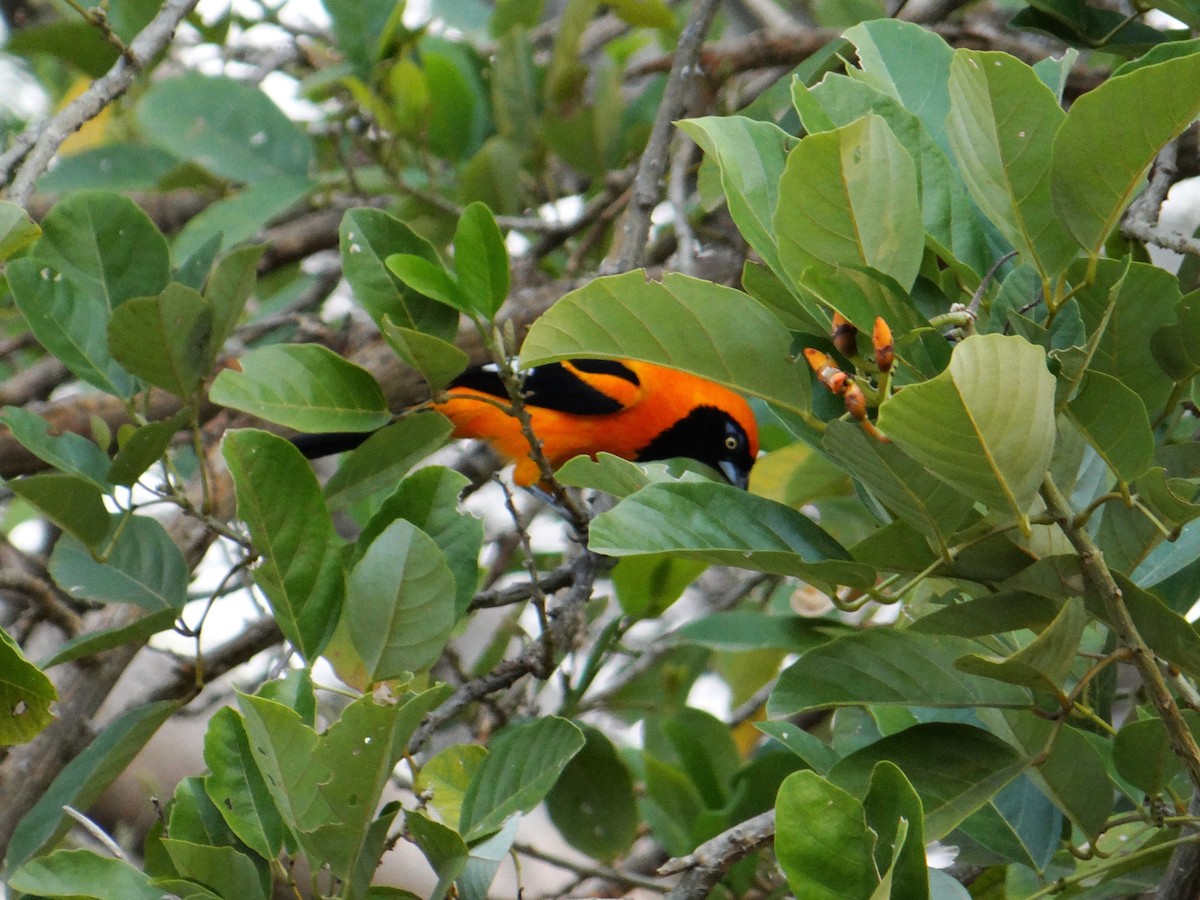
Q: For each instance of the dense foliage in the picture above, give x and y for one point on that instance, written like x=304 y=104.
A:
x=951 y=612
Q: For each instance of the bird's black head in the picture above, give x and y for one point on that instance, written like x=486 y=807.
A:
x=708 y=435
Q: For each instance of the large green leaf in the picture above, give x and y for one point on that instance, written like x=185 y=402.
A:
x=523 y=763
x=893 y=810
x=1122 y=307
x=369 y=236
x=849 y=197
x=165 y=340
x=223 y=125
x=1113 y=420
x=96 y=251
x=699 y=327
x=227 y=871
x=240 y=216
x=954 y=768
x=143 y=567
x=885 y=667
x=822 y=840
x=25 y=695
x=1075 y=776
x=901 y=483
x=400 y=602
x=481 y=260
x=602 y=824
x=72 y=503
x=71 y=453
x=751 y=156
x=361 y=30
x=304 y=386
x=429 y=499
x=1002 y=124
x=280 y=501
x=910 y=63
x=985 y=425
x=1091 y=190
x=1044 y=662
x=237 y=787
x=82 y=873
x=717 y=523
x=385 y=457
x=85 y=778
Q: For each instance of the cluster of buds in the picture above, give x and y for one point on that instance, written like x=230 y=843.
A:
x=845 y=338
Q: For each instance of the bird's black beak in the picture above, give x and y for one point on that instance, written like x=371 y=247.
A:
x=734 y=474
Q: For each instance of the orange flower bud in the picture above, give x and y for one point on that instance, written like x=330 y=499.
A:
x=885 y=350
x=856 y=401
x=844 y=335
x=828 y=373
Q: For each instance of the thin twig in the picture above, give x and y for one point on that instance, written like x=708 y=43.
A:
x=590 y=869
x=100 y=93
x=629 y=243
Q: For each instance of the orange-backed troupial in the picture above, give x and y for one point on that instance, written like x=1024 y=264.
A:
x=634 y=410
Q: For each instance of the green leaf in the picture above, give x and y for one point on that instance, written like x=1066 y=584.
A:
x=1002 y=125
x=280 y=501
x=991 y=614
x=143 y=446
x=383 y=458
x=901 y=483
x=223 y=869
x=429 y=279
x=237 y=787
x=82 y=873
x=228 y=288
x=849 y=197
x=400 y=602
x=602 y=824
x=893 y=811
x=1114 y=421
x=1122 y=307
x=445 y=849
x=711 y=331
x=1142 y=754
x=360 y=29
x=69 y=452
x=954 y=768
x=751 y=156
x=143 y=567
x=164 y=340
x=911 y=63
x=225 y=126
x=448 y=775
x=1091 y=190
x=754 y=630
x=116 y=166
x=1077 y=780
x=94 y=642
x=717 y=523
x=304 y=386
x=85 y=778
x=646 y=586
x=1043 y=663
x=17 y=230
x=888 y=668
x=522 y=765
x=72 y=503
x=369 y=236
x=241 y=216
x=816 y=753
x=25 y=695
x=985 y=425
x=428 y=498
x=481 y=260
x=438 y=361
x=822 y=840
x=96 y=251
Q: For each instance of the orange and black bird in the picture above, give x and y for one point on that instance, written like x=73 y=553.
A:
x=634 y=410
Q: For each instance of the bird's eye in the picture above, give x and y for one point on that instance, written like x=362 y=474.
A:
x=731 y=442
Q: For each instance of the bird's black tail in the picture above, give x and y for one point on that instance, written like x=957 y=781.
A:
x=314 y=446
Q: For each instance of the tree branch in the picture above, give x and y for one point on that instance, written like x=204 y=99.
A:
x=151 y=41
x=705 y=865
